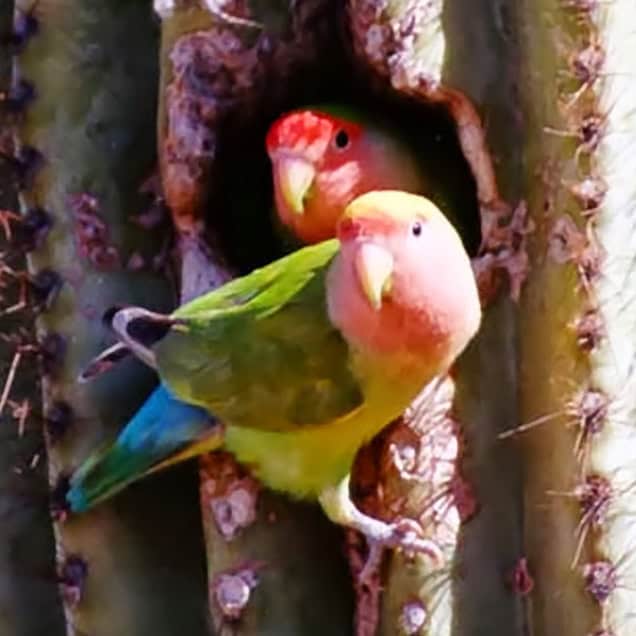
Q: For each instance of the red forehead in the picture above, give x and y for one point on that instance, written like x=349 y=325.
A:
x=350 y=228
x=304 y=128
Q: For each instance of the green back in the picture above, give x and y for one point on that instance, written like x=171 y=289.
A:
x=260 y=352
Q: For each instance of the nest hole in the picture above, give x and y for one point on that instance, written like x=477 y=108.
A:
x=244 y=194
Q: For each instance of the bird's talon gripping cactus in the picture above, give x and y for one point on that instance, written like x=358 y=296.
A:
x=404 y=534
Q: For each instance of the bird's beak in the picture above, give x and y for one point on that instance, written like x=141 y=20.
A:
x=295 y=176
x=374 y=267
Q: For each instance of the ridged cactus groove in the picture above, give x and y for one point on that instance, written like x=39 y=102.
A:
x=29 y=601
x=577 y=316
x=86 y=145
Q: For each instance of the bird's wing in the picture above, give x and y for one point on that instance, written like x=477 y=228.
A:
x=260 y=352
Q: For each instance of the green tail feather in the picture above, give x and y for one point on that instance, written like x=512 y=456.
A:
x=160 y=433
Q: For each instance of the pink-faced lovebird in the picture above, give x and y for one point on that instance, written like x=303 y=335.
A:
x=305 y=360
x=323 y=157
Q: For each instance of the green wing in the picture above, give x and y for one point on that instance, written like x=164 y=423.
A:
x=260 y=352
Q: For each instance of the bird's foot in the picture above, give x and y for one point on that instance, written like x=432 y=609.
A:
x=404 y=534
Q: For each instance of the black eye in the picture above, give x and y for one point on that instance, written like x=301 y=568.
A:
x=416 y=228
x=341 y=140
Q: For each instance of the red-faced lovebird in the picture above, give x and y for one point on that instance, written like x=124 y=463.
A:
x=324 y=157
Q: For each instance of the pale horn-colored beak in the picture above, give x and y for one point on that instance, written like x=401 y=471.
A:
x=374 y=266
x=294 y=176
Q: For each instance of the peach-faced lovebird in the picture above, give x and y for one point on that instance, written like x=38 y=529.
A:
x=304 y=360
x=324 y=157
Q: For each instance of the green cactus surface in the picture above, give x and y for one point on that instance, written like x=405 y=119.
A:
x=29 y=600
x=578 y=317
x=134 y=566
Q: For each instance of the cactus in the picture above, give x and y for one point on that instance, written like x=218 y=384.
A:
x=578 y=318
x=442 y=464
x=254 y=540
x=29 y=602
x=89 y=141
x=517 y=464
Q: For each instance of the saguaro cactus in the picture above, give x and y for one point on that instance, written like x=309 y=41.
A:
x=578 y=317
x=28 y=595
x=519 y=465
x=85 y=145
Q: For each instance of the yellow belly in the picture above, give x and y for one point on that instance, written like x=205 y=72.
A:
x=305 y=461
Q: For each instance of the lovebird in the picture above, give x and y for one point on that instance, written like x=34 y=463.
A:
x=324 y=157
x=304 y=360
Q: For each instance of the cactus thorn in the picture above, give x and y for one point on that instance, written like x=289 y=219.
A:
x=72 y=578
x=570 y=244
x=584 y=6
x=52 y=349
x=27 y=161
x=20 y=412
x=587 y=63
x=590 y=193
x=45 y=287
x=58 y=418
x=585 y=66
x=503 y=250
x=6 y=217
x=22 y=300
x=595 y=496
x=92 y=233
x=58 y=504
x=32 y=229
x=588 y=132
x=25 y=26
x=10 y=379
x=601 y=579
x=590 y=409
x=589 y=330
x=18 y=97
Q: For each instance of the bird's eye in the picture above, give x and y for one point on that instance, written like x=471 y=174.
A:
x=341 y=140
x=416 y=228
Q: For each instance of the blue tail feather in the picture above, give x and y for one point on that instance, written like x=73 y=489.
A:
x=162 y=427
